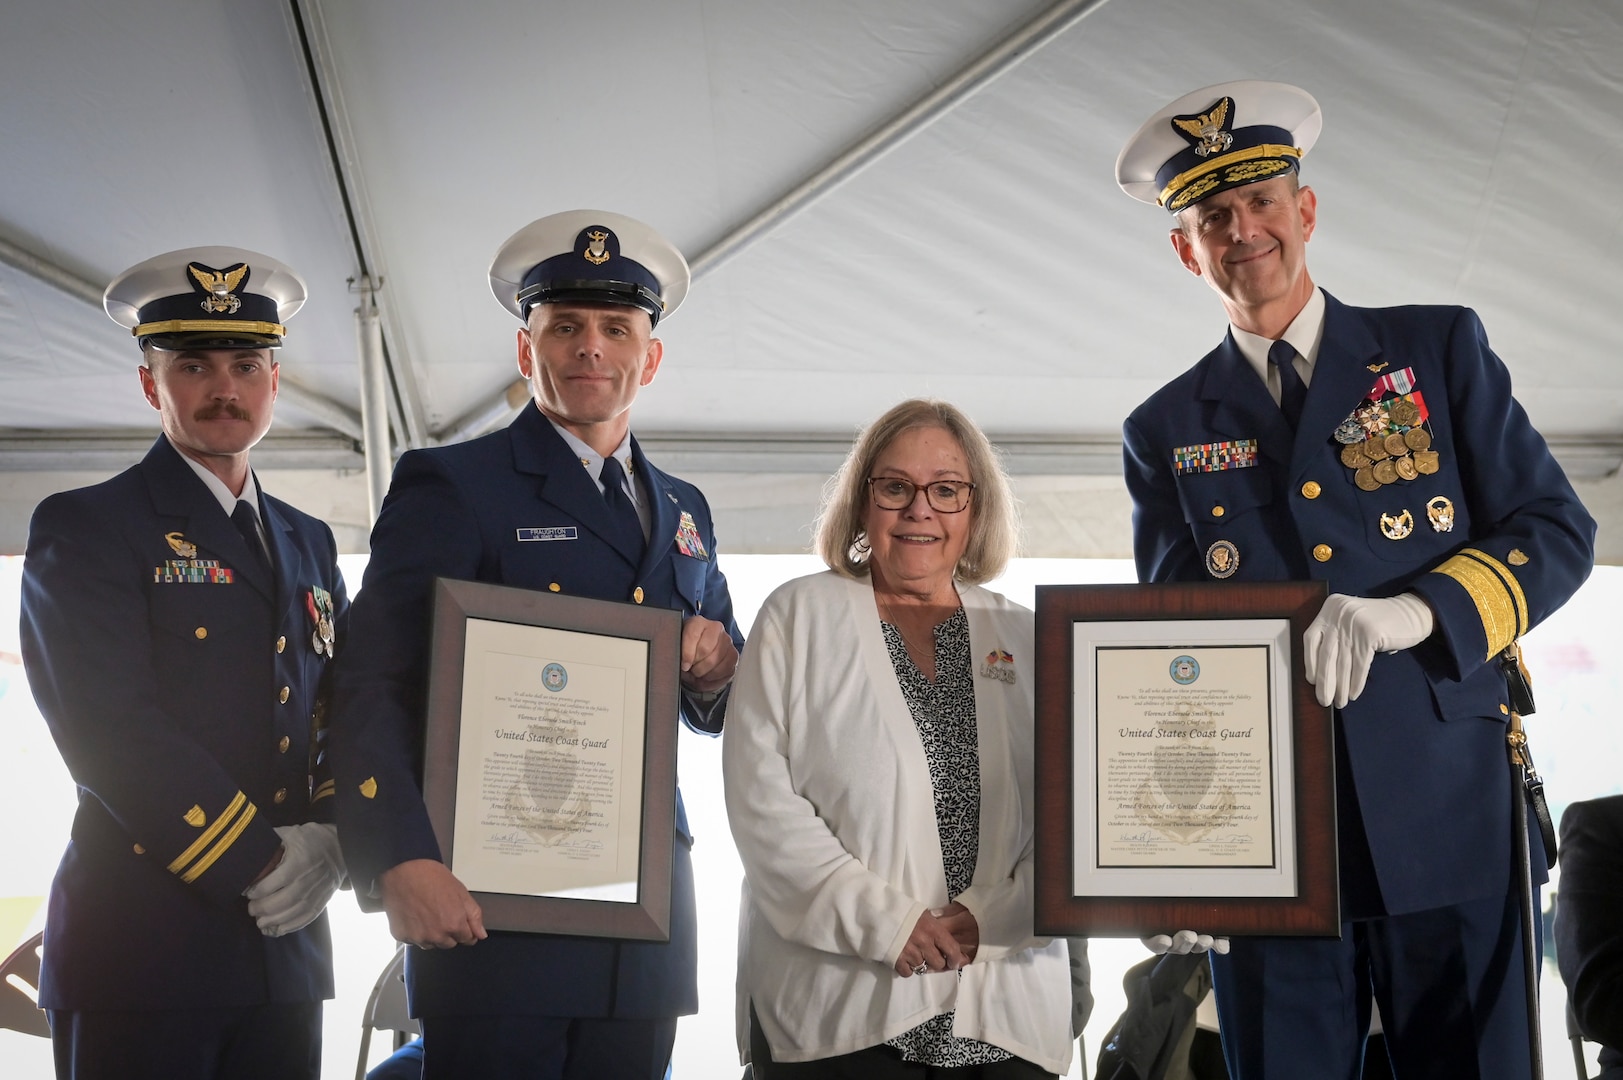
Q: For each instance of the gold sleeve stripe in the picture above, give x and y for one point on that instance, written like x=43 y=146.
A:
x=324 y=790
x=222 y=847
x=1517 y=598
x=1498 y=598
x=207 y=836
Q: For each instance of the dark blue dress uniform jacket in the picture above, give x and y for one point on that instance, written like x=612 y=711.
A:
x=179 y=684
x=1589 y=923
x=456 y=512
x=1425 y=740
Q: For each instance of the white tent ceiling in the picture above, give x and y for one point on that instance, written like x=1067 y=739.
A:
x=1469 y=156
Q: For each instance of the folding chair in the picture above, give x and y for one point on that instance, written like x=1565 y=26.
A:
x=386 y=1009
x=19 y=990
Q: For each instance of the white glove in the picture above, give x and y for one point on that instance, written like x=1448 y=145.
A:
x=1183 y=942
x=291 y=896
x=1349 y=631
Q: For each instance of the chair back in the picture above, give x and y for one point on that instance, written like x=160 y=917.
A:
x=19 y=990
x=386 y=1009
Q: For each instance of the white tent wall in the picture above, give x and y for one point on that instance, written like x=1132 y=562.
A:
x=987 y=258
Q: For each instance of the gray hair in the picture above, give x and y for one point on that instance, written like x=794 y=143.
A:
x=994 y=530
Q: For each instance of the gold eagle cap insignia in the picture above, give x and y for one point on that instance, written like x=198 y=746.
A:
x=219 y=285
x=1205 y=130
x=597 y=252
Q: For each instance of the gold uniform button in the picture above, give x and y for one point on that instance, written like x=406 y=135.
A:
x=200 y=633
x=282 y=697
x=281 y=643
x=1504 y=709
x=139 y=850
x=555 y=587
x=636 y=594
x=284 y=744
x=280 y=797
x=1311 y=489
x=1218 y=511
x=1322 y=552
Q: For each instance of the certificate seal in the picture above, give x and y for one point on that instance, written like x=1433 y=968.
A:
x=554 y=677
x=1185 y=670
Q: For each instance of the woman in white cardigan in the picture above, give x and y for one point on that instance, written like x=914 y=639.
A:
x=878 y=766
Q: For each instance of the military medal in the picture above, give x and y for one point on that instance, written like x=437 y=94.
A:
x=1353 y=456
x=1417 y=439
x=1386 y=472
x=318 y=604
x=1365 y=479
x=1407 y=468
x=1349 y=432
x=1440 y=512
x=1396 y=528
x=1426 y=461
x=1222 y=559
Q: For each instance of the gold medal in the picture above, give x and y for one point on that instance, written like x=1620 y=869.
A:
x=1406 y=467
x=1395 y=445
x=1404 y=413
x=1426 y=461
x=1354 y=457
x=1375 y=448
x=1365 y=479
x=1417 y=439
x=1386 y=472
x=1396 y=528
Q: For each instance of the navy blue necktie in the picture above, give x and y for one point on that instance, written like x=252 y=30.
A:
x=1292 y=390
x=247 y=523
x=620 y=508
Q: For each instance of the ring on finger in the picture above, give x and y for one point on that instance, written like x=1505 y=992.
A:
x=921 y=969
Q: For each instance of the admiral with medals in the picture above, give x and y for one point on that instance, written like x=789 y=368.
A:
x=1393 y=464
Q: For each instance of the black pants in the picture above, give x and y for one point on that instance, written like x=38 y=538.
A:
x=545 y=1048
x=257 y=1042
x=878 y=1063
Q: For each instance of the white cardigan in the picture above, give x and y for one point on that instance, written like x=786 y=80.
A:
x=831 y=806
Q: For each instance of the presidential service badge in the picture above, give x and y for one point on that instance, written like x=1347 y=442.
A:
x=1222 y=559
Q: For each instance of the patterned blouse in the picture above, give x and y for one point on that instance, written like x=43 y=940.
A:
x=944 y=712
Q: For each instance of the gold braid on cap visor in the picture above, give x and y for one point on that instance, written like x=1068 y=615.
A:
x=189 y=326
x=1253 y=153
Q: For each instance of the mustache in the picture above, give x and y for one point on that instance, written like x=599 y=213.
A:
x=226 y=411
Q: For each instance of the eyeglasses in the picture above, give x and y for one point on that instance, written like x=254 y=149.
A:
x=944 y=496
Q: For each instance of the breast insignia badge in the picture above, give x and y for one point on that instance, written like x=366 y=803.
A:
x=1440 y=512
x=1396 y=528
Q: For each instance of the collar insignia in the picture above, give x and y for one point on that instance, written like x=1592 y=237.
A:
x=1208 y=131
x=218 y=286
x=597 y=252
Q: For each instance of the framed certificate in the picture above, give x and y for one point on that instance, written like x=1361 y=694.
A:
x=549 y=769
x=1185 y=772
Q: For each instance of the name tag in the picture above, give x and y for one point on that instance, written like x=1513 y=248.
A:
x=557 y=532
